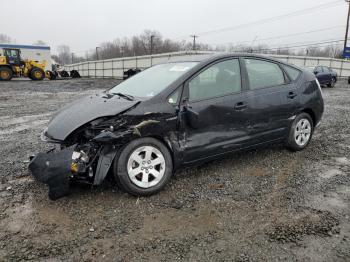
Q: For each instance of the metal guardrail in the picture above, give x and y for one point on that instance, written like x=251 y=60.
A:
x=115 y=68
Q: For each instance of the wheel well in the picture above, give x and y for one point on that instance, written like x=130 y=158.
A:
x=166 y=144
x=311 y=114
x=161 y=139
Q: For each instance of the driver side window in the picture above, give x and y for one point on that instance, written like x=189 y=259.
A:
x=219 y=79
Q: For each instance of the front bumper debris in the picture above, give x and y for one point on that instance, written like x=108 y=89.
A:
x=54 y=169
x=86 y=163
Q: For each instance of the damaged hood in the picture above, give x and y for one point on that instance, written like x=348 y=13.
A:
x=84 y=110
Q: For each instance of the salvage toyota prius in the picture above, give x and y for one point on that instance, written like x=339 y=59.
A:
x=178 y=114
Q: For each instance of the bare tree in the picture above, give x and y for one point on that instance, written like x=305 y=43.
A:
x=5 y=39
x=64 y=54
x=39 y=42
x=141 y=45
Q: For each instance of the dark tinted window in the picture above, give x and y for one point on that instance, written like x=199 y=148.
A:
x=319 y=69
x=292 y=72
x=325 y=69
x=263 y=73
x=219 y=79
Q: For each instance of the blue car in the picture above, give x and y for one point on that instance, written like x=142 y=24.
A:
x=325 y=75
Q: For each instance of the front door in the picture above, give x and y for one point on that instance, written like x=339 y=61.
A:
x=215 y=96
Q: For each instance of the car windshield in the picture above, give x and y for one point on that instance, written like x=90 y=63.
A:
x=152 y=81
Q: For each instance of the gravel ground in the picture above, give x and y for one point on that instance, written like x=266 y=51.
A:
x=263 y=205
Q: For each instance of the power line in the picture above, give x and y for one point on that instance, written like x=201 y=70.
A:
x=266 y=20
x=271 y=19
x=286 y=36
x=298 y=46
x=262 y=21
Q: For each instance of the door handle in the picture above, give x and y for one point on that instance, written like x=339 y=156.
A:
x=291 y=95
x=240 y=106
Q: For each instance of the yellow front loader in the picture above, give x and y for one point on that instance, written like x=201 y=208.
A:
x=11 y=65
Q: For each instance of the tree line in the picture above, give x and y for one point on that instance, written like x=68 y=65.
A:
x=151 y=41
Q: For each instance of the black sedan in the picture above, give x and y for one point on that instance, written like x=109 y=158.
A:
x=175 y=115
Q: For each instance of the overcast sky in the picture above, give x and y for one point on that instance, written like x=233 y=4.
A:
x=84 y=24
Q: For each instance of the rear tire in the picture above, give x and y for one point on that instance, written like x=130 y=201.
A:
x=37 y=74
x=6 y=74
x=300 y=133
x=143 y=167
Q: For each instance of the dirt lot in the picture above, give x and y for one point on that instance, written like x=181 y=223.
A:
x=263 y=205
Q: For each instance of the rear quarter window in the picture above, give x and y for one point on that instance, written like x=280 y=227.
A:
x=292 y=72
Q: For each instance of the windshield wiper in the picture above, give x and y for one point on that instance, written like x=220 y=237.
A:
x=127 y=97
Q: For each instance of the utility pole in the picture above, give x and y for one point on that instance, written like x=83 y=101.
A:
x=347 y=26
x=152 y=36
x=252 y=45
x=72 y=58
x=97 y=58
x=194 y=40
x=123 y=50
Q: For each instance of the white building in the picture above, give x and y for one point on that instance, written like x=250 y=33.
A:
x=33 y=52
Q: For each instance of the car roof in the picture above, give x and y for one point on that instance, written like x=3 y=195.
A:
x=208 y=58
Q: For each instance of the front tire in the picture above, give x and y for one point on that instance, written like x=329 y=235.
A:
x=143 y=167
x=300 y=133
x=37 y=74
x=332 y=83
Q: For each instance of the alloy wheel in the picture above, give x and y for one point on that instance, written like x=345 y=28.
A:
x=302 y=132
x=146 y=166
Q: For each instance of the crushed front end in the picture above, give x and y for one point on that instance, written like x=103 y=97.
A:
x=86 y=156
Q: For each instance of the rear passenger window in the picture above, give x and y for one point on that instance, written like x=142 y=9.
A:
x=292 y=72
x=263 y=74
x=219 y=79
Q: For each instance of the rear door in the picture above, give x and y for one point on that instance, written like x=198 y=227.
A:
x=214 y=94
x=272 y=99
